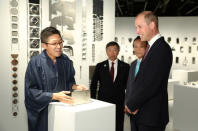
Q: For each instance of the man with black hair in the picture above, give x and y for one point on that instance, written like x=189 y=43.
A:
x=48 y=77
x=112 y=76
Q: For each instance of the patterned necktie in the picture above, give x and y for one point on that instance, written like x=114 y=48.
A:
x=137 y=67
x=146 y=52
x=112 y=71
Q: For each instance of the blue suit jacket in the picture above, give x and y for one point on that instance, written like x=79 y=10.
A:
x=148 y=92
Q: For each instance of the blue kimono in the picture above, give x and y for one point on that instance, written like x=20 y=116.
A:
x=42 y=79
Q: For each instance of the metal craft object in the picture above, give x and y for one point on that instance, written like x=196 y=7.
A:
x=93 y=53
x=14 y=26
x=15 y=113
x=169 y=39
x=34 y=43
x=14 y=3
x=177 y=60
x=14 y=18
x=185 y=62
x=15 y=88
x=14 y=68
x=130 y=39
x=35 y=21
x=15 y=101
x=116 y=39
x=14 y=11
x=14 y=75
x=33 y=9
x=14 y=62
x=81 y=97
x=14 y=82
x=14 y=56
x=34 y=32
x=14 y=33
x=193 y=60
x=177 y=40
x=14 y=40
x=68 y=50
x=15 y=95
x=33 y=53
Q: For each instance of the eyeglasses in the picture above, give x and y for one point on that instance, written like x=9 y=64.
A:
x=60 y=43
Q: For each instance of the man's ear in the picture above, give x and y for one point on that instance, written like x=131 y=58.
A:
x=152 y=25
x=44 y=46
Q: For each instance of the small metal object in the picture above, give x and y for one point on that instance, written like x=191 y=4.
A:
x=15 y=113
x=34 y=32
x=14 y=11
x=14 y=82
x=14 y=3
x=14 y=26
x=15 y=88
x=14 y=18
x=15 y=94
x=14 y=56
x=14 y=68
x=34 y=21
x=34 y=43
x=14 y=40
x=14 y=75
x=33 y=9
x=177 y=40
x=14 y=62
x=33 y=53
x=15 y=101
x=14 y=33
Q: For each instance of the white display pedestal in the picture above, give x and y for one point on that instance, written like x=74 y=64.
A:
x=185 y=75
x=94 y=116
x=171 y=83
x=185 y=108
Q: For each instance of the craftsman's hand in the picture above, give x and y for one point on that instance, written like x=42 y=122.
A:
x=63 y=97
x=79 y=87
x=127 y=110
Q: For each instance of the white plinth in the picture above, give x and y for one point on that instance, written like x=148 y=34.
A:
x=94 y=116
x=185 y=75
x=171 y=83
x=185 y=108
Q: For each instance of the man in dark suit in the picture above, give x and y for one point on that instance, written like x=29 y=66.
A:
x=147 y=101
x=112 y=76
x=139 y=49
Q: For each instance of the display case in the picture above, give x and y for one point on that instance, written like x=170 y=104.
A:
x=185 y=109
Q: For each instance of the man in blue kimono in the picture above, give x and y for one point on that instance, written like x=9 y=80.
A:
x=48 y=78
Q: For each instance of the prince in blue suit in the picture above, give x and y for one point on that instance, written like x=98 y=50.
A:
x=147 y=100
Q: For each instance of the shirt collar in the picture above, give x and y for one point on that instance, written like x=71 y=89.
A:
x=139 y=59
x=152 y=41
x=115 y=61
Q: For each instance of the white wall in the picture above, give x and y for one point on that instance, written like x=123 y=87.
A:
x=19 y=123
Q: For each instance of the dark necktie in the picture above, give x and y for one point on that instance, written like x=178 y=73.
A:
x=147 y=49
x=112 y=71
